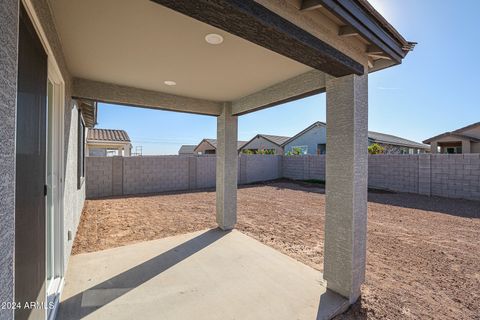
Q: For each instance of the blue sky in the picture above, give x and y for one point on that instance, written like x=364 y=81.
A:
x=436 y=89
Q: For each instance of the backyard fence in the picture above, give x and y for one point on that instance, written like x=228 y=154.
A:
x=454 y=176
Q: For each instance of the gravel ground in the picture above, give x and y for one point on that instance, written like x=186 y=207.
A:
x=423 y=259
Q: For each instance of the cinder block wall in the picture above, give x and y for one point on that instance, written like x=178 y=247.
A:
x=150 y=174
x=112 y=176
x=307 y=167
x=394 y=172
x=98 y=176
x=454 y=176
x=255 y=168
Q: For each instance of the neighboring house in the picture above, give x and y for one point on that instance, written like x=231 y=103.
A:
x=265 y=142
x=396 y=145
x=463 y=140
x=187 y=149
x=313 y=140
x=209 y=146
x=108 y=142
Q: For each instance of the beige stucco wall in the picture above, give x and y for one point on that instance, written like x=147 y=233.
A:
x=261 y=143
x=124 y=148
x=465 y=143
x=475 y=147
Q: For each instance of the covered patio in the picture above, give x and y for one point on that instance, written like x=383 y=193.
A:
x=227 y=58
x=210 y=274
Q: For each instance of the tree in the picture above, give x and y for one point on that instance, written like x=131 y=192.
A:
x=375 y=149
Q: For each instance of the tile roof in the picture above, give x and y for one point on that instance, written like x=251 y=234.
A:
x=394 y=140
x=187 y=148
x=110 y=135
x=457 y=133
x=279 y=140
x=213 y=142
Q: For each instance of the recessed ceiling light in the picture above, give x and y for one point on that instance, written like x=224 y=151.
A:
x=214 y=38
x=170 y=83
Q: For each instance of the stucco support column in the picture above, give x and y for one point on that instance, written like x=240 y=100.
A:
x=346 y=185
x=227 y=168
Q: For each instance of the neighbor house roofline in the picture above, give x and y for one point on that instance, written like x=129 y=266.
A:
x=310 y=127
x=390 y=139
x=268 y=137
x=207 y=141
x=95 y=135
x=470 y=126
x=213 y=142
x=454 y=134
x=457 y=133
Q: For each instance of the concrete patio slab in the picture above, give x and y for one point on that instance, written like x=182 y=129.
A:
x=210 y=274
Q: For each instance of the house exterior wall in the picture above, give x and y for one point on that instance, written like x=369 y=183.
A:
x=312 y=138
x=475 y=147
x=74 y=196
x=466 y=148
x=100 y=150
x=261 y=143
x=8 y=96
x=97 y=152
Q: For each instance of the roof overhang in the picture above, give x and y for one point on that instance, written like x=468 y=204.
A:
x=358 y=15
x=89 y=111
x=269 y=45
x=251 y=21
x=451 y=134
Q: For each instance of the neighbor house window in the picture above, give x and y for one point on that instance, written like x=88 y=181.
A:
x=81 y=150
x=112 y=152
x=321 y=148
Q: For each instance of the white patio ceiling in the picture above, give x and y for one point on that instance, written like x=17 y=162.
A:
x=141 y=44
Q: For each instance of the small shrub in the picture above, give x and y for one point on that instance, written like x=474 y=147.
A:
x=375 y=149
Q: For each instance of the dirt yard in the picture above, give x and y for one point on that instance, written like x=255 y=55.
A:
x=423 y=258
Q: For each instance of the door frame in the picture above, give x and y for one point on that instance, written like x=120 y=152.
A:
x=55 y=76
x=56 y=285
